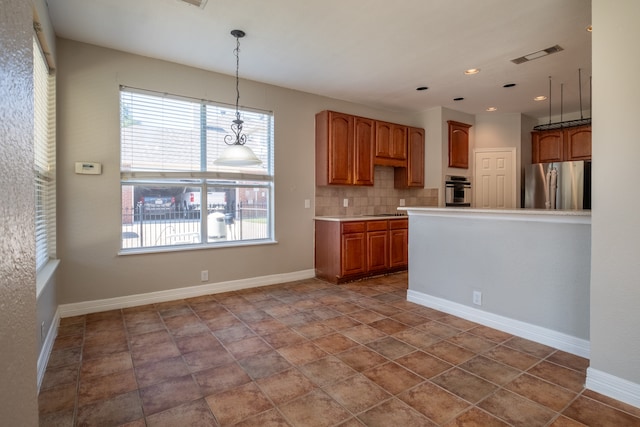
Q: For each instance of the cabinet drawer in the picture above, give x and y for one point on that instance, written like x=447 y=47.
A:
x=396 y=224
x=353 y=227
x=377 y=225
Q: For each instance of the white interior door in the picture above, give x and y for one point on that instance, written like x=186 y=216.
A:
x=495 y=180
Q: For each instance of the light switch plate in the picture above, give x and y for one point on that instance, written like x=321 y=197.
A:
x=88 y=168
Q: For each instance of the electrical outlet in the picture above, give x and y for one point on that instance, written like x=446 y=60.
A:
x=204 y=275
x=345 y=203
x=402 y=202
x=477 y=297
x=307 y=203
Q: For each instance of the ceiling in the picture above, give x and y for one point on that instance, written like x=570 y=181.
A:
x=372 y=52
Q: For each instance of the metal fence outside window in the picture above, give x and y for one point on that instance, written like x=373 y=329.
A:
x=145 y=228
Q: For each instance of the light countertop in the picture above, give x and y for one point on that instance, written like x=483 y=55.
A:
x=539 y=215
x=345 y=218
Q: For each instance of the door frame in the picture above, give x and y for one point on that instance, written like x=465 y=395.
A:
x=514 y=171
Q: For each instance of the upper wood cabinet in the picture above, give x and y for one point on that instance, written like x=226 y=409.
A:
x=347 y=147
x=559 y=145
x=578 y=143
x=413 y=174
x=458 y=144
x=391 y=144
x=547 y=146
x=344 y=149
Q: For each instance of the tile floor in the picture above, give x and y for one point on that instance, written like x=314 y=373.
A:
x=310 y=353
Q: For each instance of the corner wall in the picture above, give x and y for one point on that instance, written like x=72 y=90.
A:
x=615 y=267
x=18 y=390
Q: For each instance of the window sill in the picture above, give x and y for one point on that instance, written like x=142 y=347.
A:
x=165 y=249
x=45 y=274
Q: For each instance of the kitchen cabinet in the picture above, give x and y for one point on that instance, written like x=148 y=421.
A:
x=577 y=143
x=398 y=243
x=377 y=246
x=458 y=144
x=391 y=144
x=413 y=174
x=547 y=146
x=344 y=149
x=347 y=147
x=353 y=249
x=560 y=145
x=349 y=250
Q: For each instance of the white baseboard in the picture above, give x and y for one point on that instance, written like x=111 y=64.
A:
x=47 y=347
x=85 y=307
x=614 y=387
x=535 y=333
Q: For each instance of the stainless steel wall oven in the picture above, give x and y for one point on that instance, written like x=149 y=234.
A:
x=457 y=191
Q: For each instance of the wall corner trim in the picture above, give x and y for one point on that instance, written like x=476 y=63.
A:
x=47 y=347
x=614 y=387
x=559 y=340
x=95 y=306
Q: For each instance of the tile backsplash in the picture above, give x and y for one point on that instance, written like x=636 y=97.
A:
x=381 y=198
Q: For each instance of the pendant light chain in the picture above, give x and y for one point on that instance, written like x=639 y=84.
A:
x=237 y=154
x=238 y=138
x=236 y=52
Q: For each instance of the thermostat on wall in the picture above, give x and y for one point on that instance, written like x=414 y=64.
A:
x=88 y=168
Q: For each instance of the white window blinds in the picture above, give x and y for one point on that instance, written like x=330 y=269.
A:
x=44 y=92
x=166 y=133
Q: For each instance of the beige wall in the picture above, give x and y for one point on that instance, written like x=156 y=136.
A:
x=507 y=131
x=89 y=219
x=615 y=267
x=18 y=340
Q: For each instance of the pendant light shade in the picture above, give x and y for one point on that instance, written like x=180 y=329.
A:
x=237 y=153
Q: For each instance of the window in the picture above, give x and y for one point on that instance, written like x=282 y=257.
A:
x=173 y=195
x=44 y=99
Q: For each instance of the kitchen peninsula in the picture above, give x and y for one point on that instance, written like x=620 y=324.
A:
x=526 y=272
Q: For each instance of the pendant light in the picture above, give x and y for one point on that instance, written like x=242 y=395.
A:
x=237 y=153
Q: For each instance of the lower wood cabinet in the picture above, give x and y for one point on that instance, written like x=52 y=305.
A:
x=349 y=250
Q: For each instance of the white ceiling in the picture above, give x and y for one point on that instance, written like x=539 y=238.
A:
x=373 y=52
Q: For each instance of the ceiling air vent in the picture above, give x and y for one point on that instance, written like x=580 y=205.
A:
x=538 y=54
x=199 y=3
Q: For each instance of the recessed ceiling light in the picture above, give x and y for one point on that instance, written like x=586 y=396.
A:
x=590 y=28
x=471 y=71
x=458 y=98
x=492 y=109
x=540 y=98
x=422 y=88
x=509 y=85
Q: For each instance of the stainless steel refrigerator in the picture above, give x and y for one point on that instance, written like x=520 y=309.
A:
x=560 y=185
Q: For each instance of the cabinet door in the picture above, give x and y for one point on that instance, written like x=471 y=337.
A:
x=547 y=146
x=458 y=144
x=377 y=251
x=340 y=148
x=391 y=144
x=398 y=142
x=383 y=139
x=353 y=254
x=578 y=143
x=398 y=248
x=413 y=174
x=364 y=141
